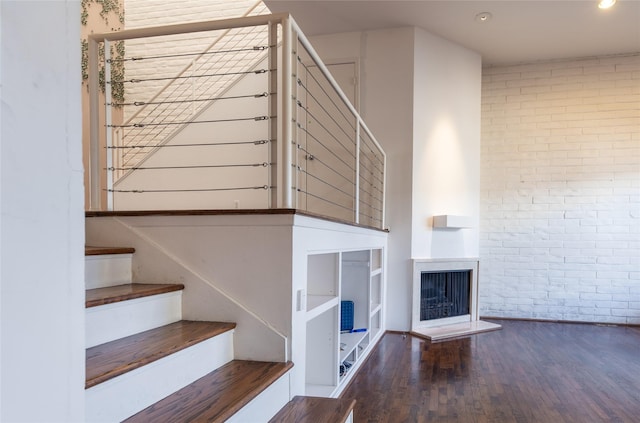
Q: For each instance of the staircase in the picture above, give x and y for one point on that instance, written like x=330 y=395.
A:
x=144 y=363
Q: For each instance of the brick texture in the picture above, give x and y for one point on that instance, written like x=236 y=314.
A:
x=560 y=190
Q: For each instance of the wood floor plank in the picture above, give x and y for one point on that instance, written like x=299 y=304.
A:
x=106 y=361
x=314 y=409
x=216 y=396
x=527 y=372
x=98 y=251
x=112 y=294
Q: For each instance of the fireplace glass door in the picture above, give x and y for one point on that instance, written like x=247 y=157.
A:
x=444 y=294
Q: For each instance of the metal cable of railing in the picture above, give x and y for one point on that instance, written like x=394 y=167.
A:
x=323 y=145
x=327 y=113
x=134 y=191
x=191 y=122
x=323 y=181
x=309 y=156
x=325 y=200
x=205 y=144
x=187 y=92
x=319 y=121
x=371 y=185
x=198 y=54
x=143 y=103
x=161 y=114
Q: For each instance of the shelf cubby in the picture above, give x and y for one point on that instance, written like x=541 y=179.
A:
x=322 y=343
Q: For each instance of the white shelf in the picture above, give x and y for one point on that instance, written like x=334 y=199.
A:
x=376 y=272
x=375 y=308
x=448 y=221
x=351 y=340
x=318 y=304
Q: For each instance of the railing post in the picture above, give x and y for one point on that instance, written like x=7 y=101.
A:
x=384 y=188
x=94 y=129
x=108 y=122
x=357 y=196
x=294 y=141
x=286 y=184
x=273 y=112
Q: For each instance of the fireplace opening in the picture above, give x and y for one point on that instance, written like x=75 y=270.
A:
x=444 y=294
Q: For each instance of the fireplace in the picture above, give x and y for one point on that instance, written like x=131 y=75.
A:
x=445 y=298
x=444 y=294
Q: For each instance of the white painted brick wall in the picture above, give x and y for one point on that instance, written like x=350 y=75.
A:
x=560 y=190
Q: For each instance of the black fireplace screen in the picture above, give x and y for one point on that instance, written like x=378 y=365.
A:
x=444 y=294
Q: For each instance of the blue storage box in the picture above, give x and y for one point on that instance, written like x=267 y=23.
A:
x=346 y=316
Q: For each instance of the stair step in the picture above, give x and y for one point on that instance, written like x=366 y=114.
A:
x=106 y=361
x=101 y=251
x=217 y=396
x=315 y=409
x=107 y=266
x=113 y=294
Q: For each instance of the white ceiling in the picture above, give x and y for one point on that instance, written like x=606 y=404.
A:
x=520 y=31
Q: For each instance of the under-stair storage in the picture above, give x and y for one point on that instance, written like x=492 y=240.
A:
x=282 y=277
x=342 y=328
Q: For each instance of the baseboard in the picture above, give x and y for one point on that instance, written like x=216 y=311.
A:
x=578 y=322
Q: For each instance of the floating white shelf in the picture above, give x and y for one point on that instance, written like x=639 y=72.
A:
x=449 y=221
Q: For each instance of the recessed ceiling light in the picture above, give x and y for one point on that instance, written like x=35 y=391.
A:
x=486 y=16
x=605 y=4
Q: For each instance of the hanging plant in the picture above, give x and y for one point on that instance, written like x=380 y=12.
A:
x=117 y=50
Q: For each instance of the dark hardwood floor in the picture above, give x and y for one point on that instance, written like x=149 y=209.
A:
x=526 y=372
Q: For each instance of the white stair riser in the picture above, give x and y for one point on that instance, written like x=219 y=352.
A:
x=107 y=270
x=114 y=321
x=126 y=395
x=266 y=404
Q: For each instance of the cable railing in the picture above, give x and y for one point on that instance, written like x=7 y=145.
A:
x=254 y=121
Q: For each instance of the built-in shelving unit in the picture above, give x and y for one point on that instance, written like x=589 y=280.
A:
x=332 y=356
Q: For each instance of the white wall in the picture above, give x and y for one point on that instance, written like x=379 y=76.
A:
x=42 y=234
x=560 y=190
x=386 y=104
x=420 y=97
x=446 y=146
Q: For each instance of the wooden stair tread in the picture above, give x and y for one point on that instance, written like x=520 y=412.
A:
x=216 y=396
x=106 y=361
x=315 y=409
x=113 y=294
x=99 y=251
